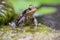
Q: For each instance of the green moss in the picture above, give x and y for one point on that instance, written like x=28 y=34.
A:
x=40 y=28
x=18 y=32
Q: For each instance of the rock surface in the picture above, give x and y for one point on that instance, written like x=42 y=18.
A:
x=53 y=19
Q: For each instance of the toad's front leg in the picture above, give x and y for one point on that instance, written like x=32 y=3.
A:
x=21 y=22
x=35 y=22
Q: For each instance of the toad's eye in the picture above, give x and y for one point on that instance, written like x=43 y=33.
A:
x=29 y=8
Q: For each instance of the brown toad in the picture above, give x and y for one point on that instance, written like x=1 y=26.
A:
x=25 y=18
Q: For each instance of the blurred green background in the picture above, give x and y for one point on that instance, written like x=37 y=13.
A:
x=20 y=5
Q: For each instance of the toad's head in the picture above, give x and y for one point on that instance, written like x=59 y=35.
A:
x=31 y=10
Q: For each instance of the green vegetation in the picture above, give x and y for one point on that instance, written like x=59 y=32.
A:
x=7 y=16
x=21 y=4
